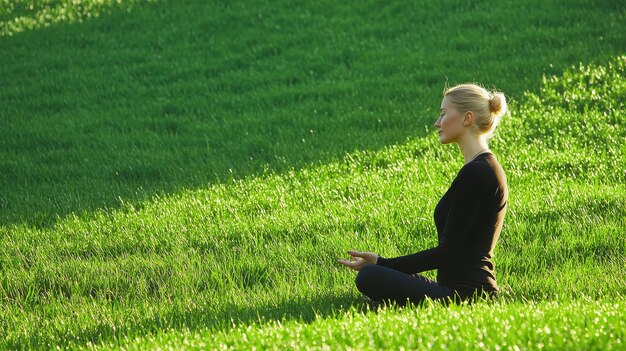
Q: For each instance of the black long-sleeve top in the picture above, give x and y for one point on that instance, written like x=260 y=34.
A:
x=469 y=219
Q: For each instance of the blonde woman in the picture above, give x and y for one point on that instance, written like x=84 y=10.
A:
x=468 y=217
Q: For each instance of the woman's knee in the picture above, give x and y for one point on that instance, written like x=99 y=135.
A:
x=366 y=278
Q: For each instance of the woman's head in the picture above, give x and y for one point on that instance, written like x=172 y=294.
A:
x=470 y=106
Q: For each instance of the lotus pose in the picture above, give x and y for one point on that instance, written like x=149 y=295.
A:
x=468 y=217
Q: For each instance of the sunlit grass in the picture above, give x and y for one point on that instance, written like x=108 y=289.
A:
x=581 y=324
x=22 y=15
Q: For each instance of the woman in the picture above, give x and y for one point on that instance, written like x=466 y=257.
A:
x=468 y=217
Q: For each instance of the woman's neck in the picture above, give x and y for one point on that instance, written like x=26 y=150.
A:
x=471 y=145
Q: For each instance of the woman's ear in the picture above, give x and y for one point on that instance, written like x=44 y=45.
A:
x=468 y=119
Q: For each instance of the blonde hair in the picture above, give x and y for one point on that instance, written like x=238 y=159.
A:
x=487 y=107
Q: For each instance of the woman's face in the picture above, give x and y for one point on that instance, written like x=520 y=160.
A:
x=449 y=124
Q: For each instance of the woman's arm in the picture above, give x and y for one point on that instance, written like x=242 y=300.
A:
x=414 y=263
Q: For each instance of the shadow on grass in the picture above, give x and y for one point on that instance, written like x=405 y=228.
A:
x=179 y=95
x=200 y=320
x=165 y=98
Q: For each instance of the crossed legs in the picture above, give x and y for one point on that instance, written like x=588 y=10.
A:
x=386 y=284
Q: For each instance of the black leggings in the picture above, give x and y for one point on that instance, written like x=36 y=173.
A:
x=386 y=284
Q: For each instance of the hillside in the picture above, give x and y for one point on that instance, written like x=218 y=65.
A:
x=186 y=175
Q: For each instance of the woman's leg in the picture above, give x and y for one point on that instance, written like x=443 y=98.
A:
x=382 y=283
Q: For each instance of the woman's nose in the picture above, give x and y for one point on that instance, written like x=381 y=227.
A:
x=437 y=124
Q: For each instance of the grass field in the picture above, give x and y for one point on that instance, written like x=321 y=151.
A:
x=185 y=174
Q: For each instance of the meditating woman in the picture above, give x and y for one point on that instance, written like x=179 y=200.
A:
x=468 y=217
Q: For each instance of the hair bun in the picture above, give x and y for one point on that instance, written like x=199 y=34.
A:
x=497 y=104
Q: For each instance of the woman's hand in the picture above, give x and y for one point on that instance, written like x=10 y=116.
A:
x=360 y=259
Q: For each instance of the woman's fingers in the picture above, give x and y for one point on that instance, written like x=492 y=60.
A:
x=347 y=263
x=355 y=253
x=367 y=256
x=359 y=259
x=351 y=264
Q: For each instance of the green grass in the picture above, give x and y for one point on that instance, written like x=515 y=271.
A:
x=174 y=96
x=582 y=324
x=17 y=16
x=185 y=174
